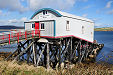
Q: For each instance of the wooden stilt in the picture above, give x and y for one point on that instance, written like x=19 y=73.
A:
x=60 y=54
x=45 y=57
x=48 y=56
x=34 y=55
x=28 y=53
x=79 y=52
x=56 y=60
x=70 y=58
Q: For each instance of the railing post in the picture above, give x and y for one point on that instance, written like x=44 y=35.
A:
x=9 y=38
x=39 y=33
x=18 y=36
x=25 y=35
x=12 y=35
x=3 y=36
x=32 y=33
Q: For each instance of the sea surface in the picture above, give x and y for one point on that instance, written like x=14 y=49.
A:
x=104 y=37
x=106 y=54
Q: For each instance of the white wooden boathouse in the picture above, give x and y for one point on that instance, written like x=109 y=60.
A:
x=51 y=38
x=56 y=24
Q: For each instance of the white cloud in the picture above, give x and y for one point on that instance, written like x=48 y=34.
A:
x=17 y=5
x=110 y=12
x=85 y=15
x=15 y=22
x=12 y=5
x=108 y=5
x=59 y=4
x=22 y=0
x=87 y=7
x=0 y=12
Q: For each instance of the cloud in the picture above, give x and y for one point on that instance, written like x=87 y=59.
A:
x=108 y=5
x=87 y=7
x=100 y=25
x=25 y=5
x=110 y=12
x=58 y=4
x=0 y=12
x=15 y=22
x=12 y=5
x=84 y=15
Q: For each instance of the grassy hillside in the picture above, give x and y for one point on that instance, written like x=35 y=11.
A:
x=11 y=27
x=7 y=68
x=104 y=29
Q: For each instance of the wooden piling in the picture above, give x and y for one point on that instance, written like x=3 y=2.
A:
x=34 y=53
x=48 y=66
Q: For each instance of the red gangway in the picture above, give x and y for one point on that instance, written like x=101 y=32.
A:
x=19 y=34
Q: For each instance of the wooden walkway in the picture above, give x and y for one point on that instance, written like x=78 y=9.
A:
x=18 y=36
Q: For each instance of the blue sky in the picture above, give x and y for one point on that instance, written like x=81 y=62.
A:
x=15 y=12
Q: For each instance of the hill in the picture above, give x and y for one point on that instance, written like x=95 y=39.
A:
x=104 y=29
x=11 y=27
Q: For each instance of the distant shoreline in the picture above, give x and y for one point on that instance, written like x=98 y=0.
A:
x=5 y=29
x=104 y=29
x=101 y=30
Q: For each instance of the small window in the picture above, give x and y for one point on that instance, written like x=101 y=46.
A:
x=67 y=26
x=82 y=29
x=42 y=26
x=33 y=25
x=44 y=12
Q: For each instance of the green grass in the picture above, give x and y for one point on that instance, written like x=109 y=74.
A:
x=104 y=29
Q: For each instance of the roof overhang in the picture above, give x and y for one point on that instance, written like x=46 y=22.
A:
x=49 y=9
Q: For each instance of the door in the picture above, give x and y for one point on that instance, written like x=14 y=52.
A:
x=36 y=25
x=37 y=31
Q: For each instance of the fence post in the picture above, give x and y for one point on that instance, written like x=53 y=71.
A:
x=9 y=38
x=3 y=36
x=18 y=36
x=32 y=33
x=25 y=35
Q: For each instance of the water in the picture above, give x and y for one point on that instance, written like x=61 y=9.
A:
x=106 y=54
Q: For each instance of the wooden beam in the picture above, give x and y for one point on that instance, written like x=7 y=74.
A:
x=22 y=52
x=33 y=47
x=41 y=55
x=48 y=66
x=79 y=52
x=11 y=54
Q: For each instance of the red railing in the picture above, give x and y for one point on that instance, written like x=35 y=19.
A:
x=17 y=35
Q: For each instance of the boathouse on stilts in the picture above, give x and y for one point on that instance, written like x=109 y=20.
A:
x=53 y=37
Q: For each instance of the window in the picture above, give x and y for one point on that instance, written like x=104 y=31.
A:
x=33 y=25
x=82 y=29
x=67 y=26
x=44 y=12
x=42 y=26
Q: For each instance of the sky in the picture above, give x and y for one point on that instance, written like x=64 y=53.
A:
x=16 y=12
